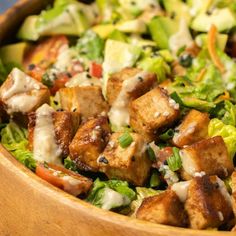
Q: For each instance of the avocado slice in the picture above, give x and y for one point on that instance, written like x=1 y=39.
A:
x=223 y=19
x=118 y=36
x=161 y=28
x=132 y=26
x=118 y=55
x=177 y=9
x=103 y=30
x=14 y=53
x=28 y=29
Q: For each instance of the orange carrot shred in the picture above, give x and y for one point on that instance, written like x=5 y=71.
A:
x=211 y=45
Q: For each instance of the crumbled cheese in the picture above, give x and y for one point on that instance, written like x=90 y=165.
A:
x=157 y=114
x=166 y=113
x=199 y=174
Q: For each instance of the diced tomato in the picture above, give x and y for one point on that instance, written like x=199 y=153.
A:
x=95 y=70
x=64 y=179
x=162 y=156
x=45 y=52
x=60 y=82
x=35 y=72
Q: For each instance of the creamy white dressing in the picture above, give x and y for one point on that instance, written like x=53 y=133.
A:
x=44 y=143
x=181 y=38
x=181 y=189
x=21 y=83
x=82 y=80
x=119 y=112
x=65 y=58
x=224 y=191
x=21 y=103
x=112 y=199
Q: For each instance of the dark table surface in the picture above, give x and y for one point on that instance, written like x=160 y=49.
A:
x=4 y=4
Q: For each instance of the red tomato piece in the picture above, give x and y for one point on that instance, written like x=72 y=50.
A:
x=64 y=179
x=60 y=82
x=95 y=70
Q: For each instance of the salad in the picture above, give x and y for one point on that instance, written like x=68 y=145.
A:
x=129 y=105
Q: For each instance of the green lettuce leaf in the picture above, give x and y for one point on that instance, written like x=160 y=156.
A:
x=91 y=46
x=14 y=139
x=228 y=132
x=111 y=194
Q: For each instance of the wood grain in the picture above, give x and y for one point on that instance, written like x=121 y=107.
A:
x=29 y=206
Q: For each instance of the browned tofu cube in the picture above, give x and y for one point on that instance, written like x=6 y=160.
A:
x=193 y=129
x=233 y=179
x=153 y=111
x=208 y=203
x=164 y=208
x=87 y=100
x=89 y=142
x=209 y=156
x=21 y=93
x=131 y=163
x=142 y=81
x=64 y=125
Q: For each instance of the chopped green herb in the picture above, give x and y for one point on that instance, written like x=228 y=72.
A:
x=177 y=98
x=174 y=161
x=155 y=179
x=69 y=164
x=125 y=140
x=167 y=135
x=47 y=81
x=151 y=153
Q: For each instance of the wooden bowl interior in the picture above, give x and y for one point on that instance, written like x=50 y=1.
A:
x=31 y=206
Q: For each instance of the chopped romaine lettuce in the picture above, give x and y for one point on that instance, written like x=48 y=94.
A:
x=155 y=65
x=69 y=164
x=91 y=46
x=14 y=139
x=111 y=194
x=228 y=132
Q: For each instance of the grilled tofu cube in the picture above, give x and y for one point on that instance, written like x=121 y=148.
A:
x=208 y=155
x=131 y=163
x=21 y=93
x=89 y=142
x=164 y=208
x=64 y=125
x=208 y=203
x=233 y=179
x=193 y=129
x=144 y=82
x=153 y=111
x=87 y=100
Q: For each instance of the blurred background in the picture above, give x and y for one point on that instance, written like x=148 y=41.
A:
x=4 y=4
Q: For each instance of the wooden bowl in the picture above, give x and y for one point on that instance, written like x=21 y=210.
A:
x=31 y=206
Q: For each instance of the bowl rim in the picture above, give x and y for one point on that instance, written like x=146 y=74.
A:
x=8 y=161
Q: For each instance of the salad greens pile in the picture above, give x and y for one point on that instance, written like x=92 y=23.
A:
x=189 y=45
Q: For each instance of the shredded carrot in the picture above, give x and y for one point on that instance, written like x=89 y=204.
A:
x=211 y=45
x=225 y=96
x=201 y=74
